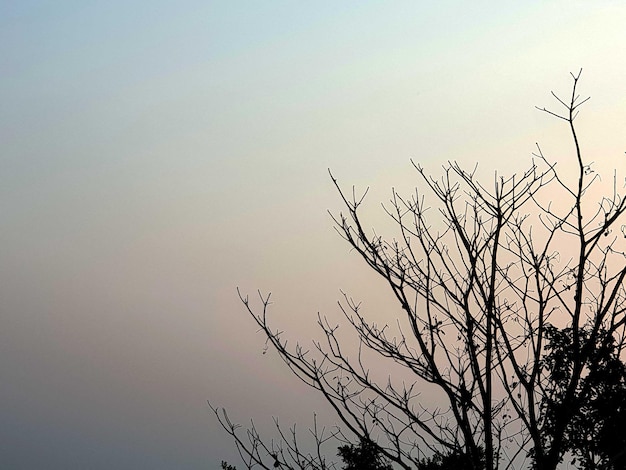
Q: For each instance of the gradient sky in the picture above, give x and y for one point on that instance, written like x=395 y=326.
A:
x=155 y=155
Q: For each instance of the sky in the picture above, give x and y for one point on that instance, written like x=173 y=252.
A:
x=158 y=155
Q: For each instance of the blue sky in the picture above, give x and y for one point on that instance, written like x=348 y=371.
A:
x=156 y=155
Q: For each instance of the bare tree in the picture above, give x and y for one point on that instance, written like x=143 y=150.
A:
x=480 y=273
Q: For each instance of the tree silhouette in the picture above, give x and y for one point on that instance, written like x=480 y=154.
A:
x=453 y=461
x=365 y=456
x=482 y=274
x=596 y=435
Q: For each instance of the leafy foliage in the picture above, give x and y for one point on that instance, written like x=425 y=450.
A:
x=596 y=433
x=452 y=461
x=364 y=456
